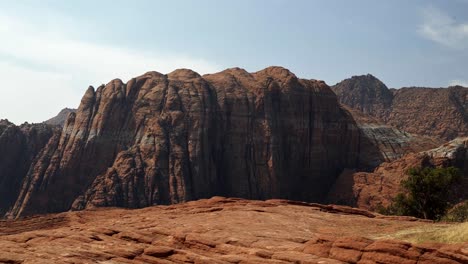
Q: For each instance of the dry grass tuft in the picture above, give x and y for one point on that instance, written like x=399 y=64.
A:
x=444 y=233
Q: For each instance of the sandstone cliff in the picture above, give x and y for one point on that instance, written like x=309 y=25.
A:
x=441 y=112
x=162 y=139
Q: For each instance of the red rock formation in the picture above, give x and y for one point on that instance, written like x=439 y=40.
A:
x=162 y=139
x=370 y=190
x=440 y=112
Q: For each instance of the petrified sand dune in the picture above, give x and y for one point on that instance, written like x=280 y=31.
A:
x=220 y=230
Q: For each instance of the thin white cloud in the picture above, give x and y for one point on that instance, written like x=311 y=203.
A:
x=443 y=29
x=56 y=69
x=463 y=83
x=30 y=95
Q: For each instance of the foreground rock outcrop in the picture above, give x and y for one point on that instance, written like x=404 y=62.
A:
x=163 y=139
x=435 y=112
x=370 y=190
x=221 y=230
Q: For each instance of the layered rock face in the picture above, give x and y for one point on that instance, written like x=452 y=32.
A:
x=378 y=188
x=60 y=118
x=19 y=145
x=441 y=112
x=162 y=139
x=383 y=143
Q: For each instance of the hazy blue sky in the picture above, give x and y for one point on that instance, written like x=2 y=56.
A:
x=50 y=51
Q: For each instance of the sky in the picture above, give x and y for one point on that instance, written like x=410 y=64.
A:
x=51 y=51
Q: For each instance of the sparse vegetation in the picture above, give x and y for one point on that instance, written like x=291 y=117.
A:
x=443 y=233
x=425 y=193
x=458 y=213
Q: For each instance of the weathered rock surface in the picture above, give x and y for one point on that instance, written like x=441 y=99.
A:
x=19 y=145
x=216 y=231
x=163 y=139
x=441 y=112
x=383 y=143
x=370 y=190
x=60 y=118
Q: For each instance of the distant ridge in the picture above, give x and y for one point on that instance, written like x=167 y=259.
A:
x=60 y=118
x=440 y=112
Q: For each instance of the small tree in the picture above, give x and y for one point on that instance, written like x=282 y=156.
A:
x=427 y=192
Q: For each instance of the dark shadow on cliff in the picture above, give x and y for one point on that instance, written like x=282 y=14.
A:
x=369 y=157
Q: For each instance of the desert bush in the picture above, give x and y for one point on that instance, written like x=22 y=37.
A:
x=426 y=193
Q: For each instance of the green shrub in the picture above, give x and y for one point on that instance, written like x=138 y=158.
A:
x=426 y=193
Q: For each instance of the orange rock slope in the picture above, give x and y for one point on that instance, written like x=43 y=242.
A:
x=220 y=230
